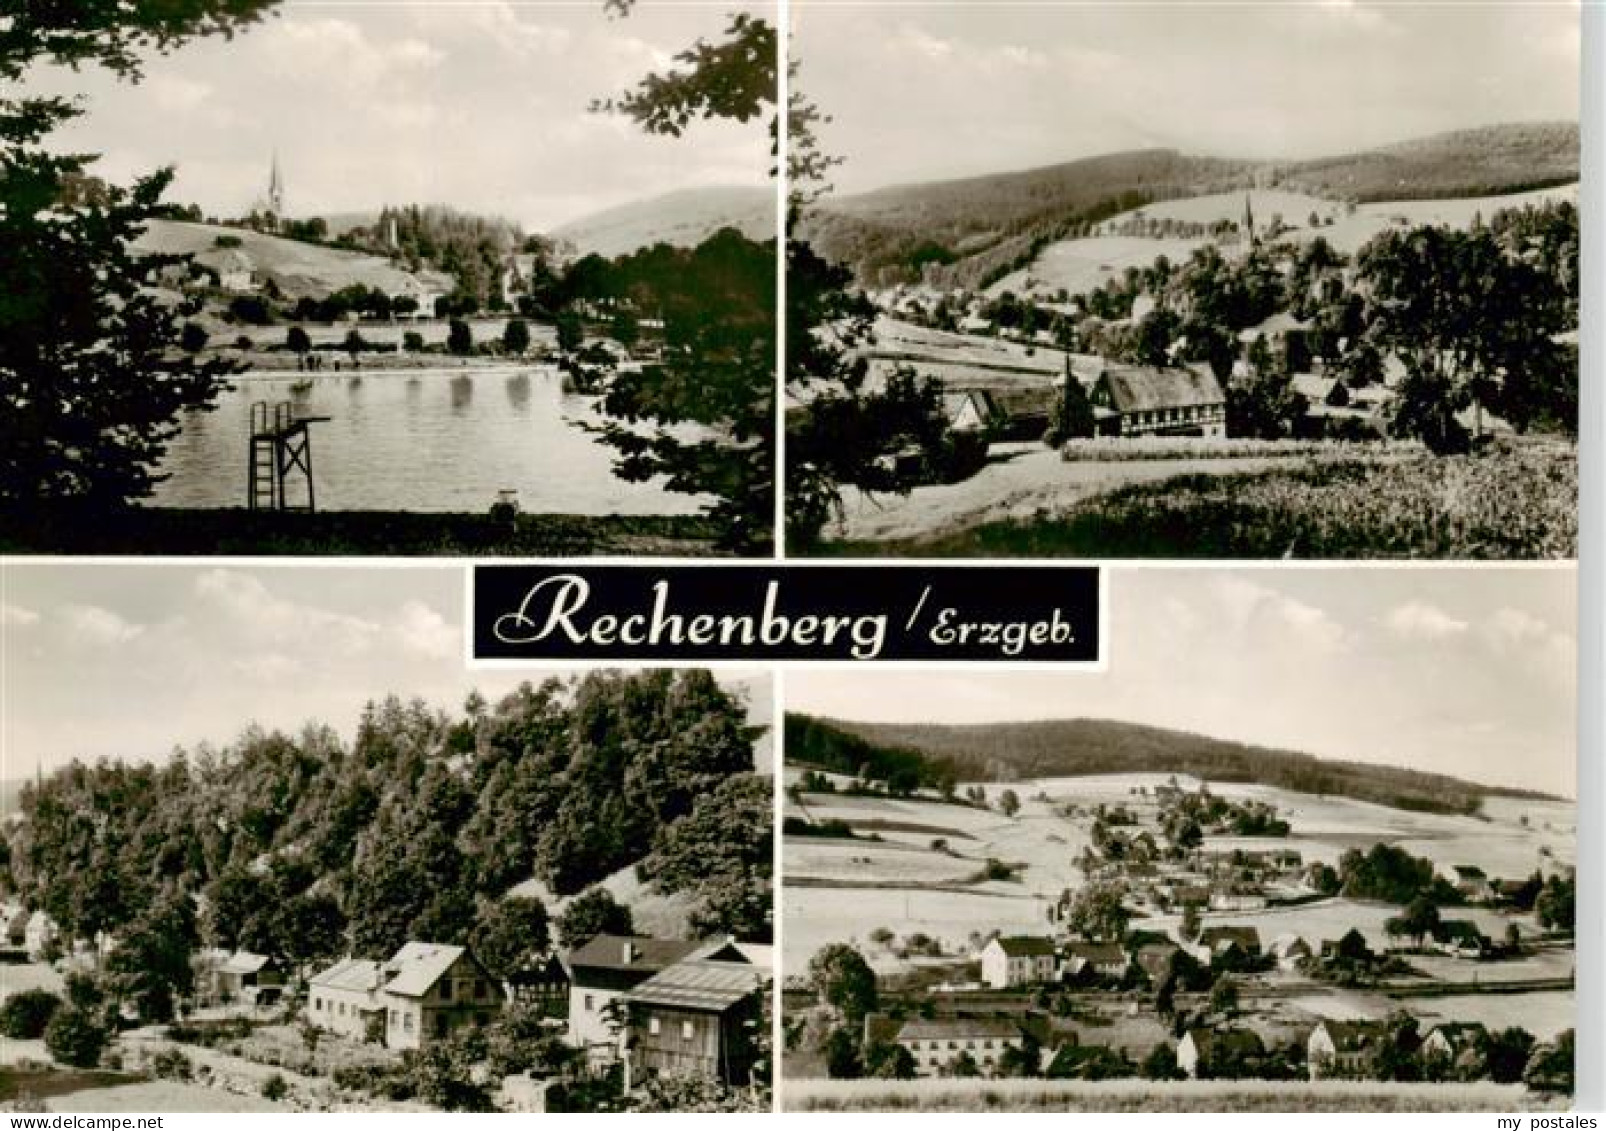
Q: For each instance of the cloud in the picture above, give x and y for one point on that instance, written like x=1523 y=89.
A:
x=425 y=633
x=1418 y=620
x=1253 y=608
x=15 y=616
x=261 y=615
x=98 y=627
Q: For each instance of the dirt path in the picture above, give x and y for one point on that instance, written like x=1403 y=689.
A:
x=1022 y=480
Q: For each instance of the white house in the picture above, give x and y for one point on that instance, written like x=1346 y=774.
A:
x=344 y=999
x=423 y=993
x=1343 y=1049
x=1201 y=1049
x=937 y=1044
x=1018 y=960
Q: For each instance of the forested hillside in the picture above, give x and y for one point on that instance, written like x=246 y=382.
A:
x=307 y=847
x=967 y=233
x=906 y=755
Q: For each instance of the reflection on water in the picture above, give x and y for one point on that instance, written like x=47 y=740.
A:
x=425 y=440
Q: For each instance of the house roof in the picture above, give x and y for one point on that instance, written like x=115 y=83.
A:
x=1352 y=1036
x=1469 y=872
x=957 y=1029
x=1143 y=388
x=1026 y=946
x=356 y=974
x=1210 y=1042
x=1246 y=937
x=1289 y=944
x=1096 y=952
x=700 y=984
x=419 y=965
x=244 y=962
x=624 y=961
x=1457 y=1034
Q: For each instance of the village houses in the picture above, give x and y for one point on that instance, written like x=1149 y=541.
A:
x=1019 y=960
x=423 y=993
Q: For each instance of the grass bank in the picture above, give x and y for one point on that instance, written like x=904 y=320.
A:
x=1510 y=503
x=1150 y=1096
x=178 y=531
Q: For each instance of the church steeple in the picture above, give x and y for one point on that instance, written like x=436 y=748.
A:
x=1249 y=223
x=275 y=188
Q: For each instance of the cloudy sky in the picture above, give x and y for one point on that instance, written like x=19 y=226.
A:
x=1463 y=671
x=480 y=104
x=134 y=660
x=923 y=91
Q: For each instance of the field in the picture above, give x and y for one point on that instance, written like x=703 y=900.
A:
x=298 y=268
x=1519 y=502
x=1147 y=1096
x=1081 y=265
x=842 y=890
x=682 y=219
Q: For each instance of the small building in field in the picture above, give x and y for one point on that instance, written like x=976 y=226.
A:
x=1290 y=951
x=937 y=1045
x=251 y=979
x=235 y=271
x=1461 y=938
x=40 y=935
x=1141 y=400
x=600 y=973
x=1018 y=960
x=344 y=999
x=1351 y=946
x=14 y=929
x=1104 y=959
x=1471 y=881
x=1203 y=1052
x=1454 y=1043
x=970 y=410
x=1216 y=941
x=699 y=1017
x=1343 y=1050
x=433 y=990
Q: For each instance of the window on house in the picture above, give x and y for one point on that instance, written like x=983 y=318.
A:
x=654 y=1025
x=407 y=1022
x=589 y=1006
x=687 y=1030
x=480 y=988
x=446 y=989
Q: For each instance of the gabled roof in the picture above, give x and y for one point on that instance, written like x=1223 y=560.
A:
x=1469 y=872
x=622 y=962
x=1026 y=946
x=1096 y=952
x=1458 y=1034
x=244 y=962
x=957 y=1029
x=417 y=966
x=1211 y=1042
x=360 y=975
x=700 y=984
x=1143 y=388
x=1353 y=1036
x=1246 y=937
x=1284 y=945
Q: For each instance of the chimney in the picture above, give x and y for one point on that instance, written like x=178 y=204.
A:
x=629 y=949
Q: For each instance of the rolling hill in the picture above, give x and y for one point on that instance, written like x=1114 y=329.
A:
x=683 y=219
x=972 y=231
x=1074 y=747
x=297 y=268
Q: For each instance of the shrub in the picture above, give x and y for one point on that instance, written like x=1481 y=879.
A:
x=172 y=1064
x=274 y=1088
x=76 y=1038
x=24 y=1016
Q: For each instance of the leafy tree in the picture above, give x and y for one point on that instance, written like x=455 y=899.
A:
x=509 y=933
x=1096 y=912
x=516 y=336
x=193 y=337
x=151 y=966
x=1190 y=921
x=297 y=340
x=1472 y=324
x=1224 y=995
x=841 y=1052
x=1551 y=1067
x=459 y=338
x=843 y=979
x=594 y=913
x=887 y=1060
x=76 y=1038
x=1506 y=1052
x=1556 y=906
x=1008 y=803
x=24 y=1015
x=1161 y=1064
x=716 y=365
x=964 y=1067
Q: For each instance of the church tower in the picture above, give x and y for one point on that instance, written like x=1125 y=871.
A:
x=275 y=189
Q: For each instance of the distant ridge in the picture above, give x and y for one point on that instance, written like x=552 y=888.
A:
x=1077 y=747
x=684 y=218
x=977 y=228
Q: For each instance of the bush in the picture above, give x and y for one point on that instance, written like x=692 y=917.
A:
x=75 y=1038
x=172 y=1064
x=25 y=1016
x=274 y=1088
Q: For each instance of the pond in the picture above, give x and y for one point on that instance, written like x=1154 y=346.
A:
x=419 y=440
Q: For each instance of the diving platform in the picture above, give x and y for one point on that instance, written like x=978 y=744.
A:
x=280 y=463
